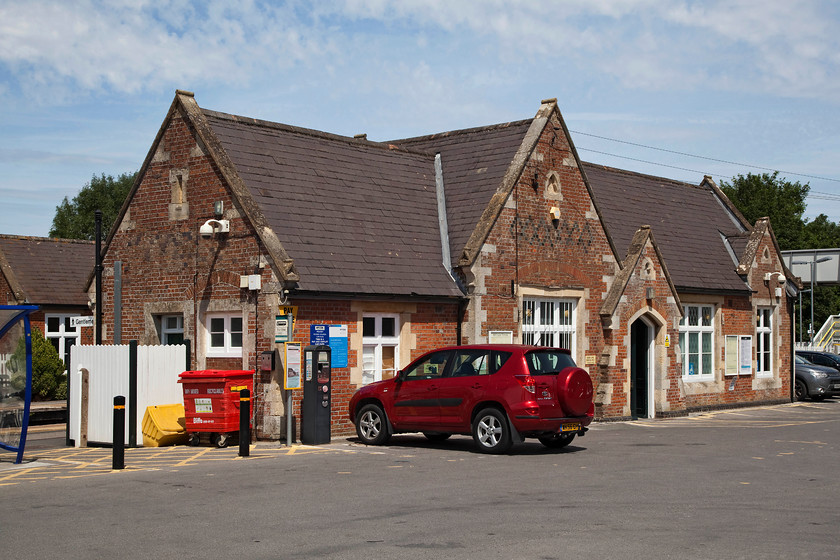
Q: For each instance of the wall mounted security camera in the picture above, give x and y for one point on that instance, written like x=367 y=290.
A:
x=208 y=228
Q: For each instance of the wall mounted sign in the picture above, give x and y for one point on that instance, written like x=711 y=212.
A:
x=282 y=328
x=334 y=336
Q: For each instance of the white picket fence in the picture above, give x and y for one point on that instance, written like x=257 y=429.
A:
x=158 y=368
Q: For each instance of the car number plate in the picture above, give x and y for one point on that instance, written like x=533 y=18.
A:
x=572 y=427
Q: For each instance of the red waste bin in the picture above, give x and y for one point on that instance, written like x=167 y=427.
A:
x=211 y=402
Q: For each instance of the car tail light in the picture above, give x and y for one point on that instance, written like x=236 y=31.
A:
x=528 y=383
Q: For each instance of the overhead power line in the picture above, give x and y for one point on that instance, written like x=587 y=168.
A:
x=692 y=156
x=642 y=160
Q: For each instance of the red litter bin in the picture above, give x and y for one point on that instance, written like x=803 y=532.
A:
x=211 y=402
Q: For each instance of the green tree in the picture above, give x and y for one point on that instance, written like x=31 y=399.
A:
x=75 y=219
x=757 y=196
x=820 y=233
x=48 y=379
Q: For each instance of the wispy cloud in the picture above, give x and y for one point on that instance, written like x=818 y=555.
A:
x=133 y=46
x=136 y=46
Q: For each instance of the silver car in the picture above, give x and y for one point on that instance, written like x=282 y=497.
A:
x=813 y=381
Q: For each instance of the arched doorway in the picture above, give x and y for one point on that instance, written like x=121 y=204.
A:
x=641 y=369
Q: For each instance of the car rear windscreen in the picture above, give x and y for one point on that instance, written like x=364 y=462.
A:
x=547 y=362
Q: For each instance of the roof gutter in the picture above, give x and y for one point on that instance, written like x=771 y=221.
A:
x=443 y=223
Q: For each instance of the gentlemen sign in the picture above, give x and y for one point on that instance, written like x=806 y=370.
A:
x=80 y=321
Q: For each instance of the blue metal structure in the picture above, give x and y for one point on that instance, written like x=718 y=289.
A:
x=9 y=317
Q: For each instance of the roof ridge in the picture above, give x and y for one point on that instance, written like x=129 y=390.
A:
x=464 y=131
x=638 y=174
x=37 y=238
x=359 y=140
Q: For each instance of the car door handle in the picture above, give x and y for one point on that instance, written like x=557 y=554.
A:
x=432 y=388
x=477 y=386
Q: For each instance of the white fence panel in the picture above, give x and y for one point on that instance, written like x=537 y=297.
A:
x=158 y=368
x=108 y=372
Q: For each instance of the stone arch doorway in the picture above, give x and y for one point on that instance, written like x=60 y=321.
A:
x=642 y=336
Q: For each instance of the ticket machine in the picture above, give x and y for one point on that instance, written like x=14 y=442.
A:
x=317 y=386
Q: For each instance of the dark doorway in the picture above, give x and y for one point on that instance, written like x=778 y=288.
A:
x=640 y=337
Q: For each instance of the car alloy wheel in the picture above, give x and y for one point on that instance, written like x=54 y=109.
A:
x=491 y=432
x=371 y=425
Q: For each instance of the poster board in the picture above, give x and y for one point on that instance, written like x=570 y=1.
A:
x=738 y=355
x=291 y=371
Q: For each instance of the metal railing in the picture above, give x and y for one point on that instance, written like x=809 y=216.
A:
x=827 y=338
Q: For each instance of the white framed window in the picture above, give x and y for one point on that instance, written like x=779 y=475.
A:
x=224 y=335
x=61 y=335
x=172 y=329
x=380 y=346
x=549 y=322
x=764 y=342
x=697 y=334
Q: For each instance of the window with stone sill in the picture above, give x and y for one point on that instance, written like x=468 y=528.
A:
x=380 y=346
x=224 y=335
x=764 y=342
x=172 y=329
x=697 y=334
x=549 y=322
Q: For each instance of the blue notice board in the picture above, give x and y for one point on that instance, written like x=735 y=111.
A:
x=334 y=336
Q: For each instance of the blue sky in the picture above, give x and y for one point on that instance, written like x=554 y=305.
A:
x=645 y=85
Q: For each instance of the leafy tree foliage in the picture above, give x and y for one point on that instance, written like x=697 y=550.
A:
x=48 y=379
x=75 y=219
x=820 y=233
x=757 y=196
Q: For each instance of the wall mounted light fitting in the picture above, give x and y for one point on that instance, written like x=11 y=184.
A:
x=555 y=216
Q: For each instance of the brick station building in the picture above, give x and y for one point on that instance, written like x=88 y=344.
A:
x=661 y=289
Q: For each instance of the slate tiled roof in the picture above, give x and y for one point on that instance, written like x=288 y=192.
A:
x=474 y=162
x=688 y=221
x=49 y=271
x=357 y=217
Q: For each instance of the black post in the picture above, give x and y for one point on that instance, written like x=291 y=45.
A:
x=244 y=423
x=119 y=433
x=132 y=393
x=188 y=344
x=98 y=269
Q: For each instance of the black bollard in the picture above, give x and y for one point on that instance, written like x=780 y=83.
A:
x=119 y=433
x=244 y=423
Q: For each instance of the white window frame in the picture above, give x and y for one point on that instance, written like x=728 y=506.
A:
x=64 y=333
x=165 y=330
x=688 y=331
x=228 y=350
x=764 y=342
x=559 y=327
x=372 y=366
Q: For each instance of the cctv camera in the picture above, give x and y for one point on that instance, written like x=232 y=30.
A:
x=206 y=230
x=782 y=280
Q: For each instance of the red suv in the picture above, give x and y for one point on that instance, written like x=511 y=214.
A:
x=498 y=393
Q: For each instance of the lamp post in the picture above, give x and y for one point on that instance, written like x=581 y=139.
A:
x=813 y=264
